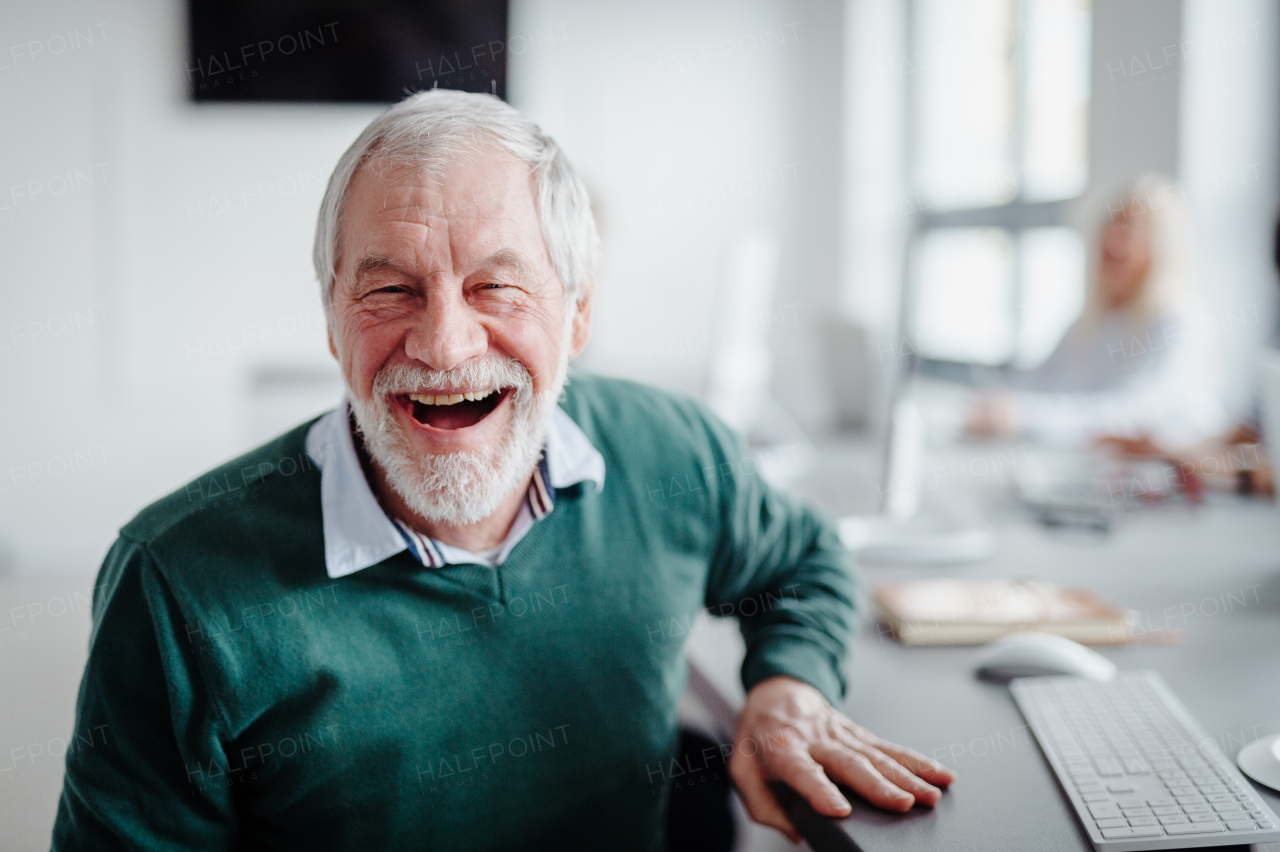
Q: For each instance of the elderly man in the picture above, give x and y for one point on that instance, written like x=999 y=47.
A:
x=447 y=614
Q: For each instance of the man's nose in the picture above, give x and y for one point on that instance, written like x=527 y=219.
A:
x=447 y=333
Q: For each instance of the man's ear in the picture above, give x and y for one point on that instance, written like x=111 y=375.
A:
x=333 y=349
x=582 y=320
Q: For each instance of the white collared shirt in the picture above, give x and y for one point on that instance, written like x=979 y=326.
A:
x=358 y=533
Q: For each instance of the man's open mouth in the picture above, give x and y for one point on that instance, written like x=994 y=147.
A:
x=452 y=410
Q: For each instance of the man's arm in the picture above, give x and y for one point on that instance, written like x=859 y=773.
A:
x=782 y=570
x=133 y=784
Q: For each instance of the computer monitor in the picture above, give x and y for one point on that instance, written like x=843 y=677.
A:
x=360 y=51
x=908 y=530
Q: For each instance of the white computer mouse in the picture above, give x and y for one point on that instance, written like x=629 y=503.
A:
x=1032 y=653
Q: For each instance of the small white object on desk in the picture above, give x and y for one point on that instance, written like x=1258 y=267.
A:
x=1260 y=760
x=1031 y=653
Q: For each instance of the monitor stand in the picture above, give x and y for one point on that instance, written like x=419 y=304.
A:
x=934 y=535
x=910 y=529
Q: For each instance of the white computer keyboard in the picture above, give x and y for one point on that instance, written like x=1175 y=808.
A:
x=1137 y=767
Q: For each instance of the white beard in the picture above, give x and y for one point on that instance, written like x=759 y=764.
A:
x=462 y=487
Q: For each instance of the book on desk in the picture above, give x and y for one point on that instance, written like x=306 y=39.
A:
x=972 y=612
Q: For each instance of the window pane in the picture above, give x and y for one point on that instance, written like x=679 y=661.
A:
x=1055 y=98
x=1051 y=263
x=964 y=295
x=965 y=61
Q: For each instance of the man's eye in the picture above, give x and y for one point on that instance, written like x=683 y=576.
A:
x=393 y=288
x=492 y=285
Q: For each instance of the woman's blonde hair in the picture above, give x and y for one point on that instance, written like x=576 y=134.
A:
x=1166 y=289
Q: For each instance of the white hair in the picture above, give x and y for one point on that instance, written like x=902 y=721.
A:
x=1167 y=293
x=427 y=131
x=1166 y=289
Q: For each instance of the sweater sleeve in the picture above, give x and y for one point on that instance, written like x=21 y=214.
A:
x=138 y=782
x=781 y=569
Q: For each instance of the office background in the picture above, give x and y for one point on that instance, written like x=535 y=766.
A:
x=159 y=313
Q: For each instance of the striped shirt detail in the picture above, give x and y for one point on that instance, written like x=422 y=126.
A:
x=420 y=545
x=541 y=498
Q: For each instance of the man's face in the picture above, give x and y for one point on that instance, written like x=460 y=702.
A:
x=449 y=324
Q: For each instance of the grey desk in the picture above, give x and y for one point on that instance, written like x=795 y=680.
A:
x=1211 y=571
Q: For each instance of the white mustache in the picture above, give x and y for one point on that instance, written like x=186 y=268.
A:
x=491 y=372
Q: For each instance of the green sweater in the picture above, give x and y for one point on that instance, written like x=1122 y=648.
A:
x=245 y=700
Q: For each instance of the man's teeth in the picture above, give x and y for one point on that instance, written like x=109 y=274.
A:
x=450 y=398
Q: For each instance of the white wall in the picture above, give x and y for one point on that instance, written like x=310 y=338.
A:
x=1134 y=92
x=693 y=122
x=1228 y=168
x=132 y=396
x=136 y=310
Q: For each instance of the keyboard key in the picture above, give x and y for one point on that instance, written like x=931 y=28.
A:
x=1097 y=797
x=1160 y=801
x=1192 y=828
x=1148 y=820
x=1183 y=791
x=1206 y=789
x=1167 y=810
x=1131 y=802
x=1201 y=808
x=1240 y=824
x=1103 y=810
x=1121 y=787
x=1136 y=812
x=1191 y=800
x=1090 y=788
x=1136 y=766
x=1108 y=766
x=1114 y=822
x=1173 y=820
x=1257 y=815
x=1266 y=823
x=1244 y=798
x=1218 y=798
x=1229 y=807
x=1142 y=831
x=1203 y=818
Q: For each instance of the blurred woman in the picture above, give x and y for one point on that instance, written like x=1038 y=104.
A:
x=1136 y=365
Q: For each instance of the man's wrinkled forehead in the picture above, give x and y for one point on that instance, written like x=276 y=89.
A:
x=467 y=186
